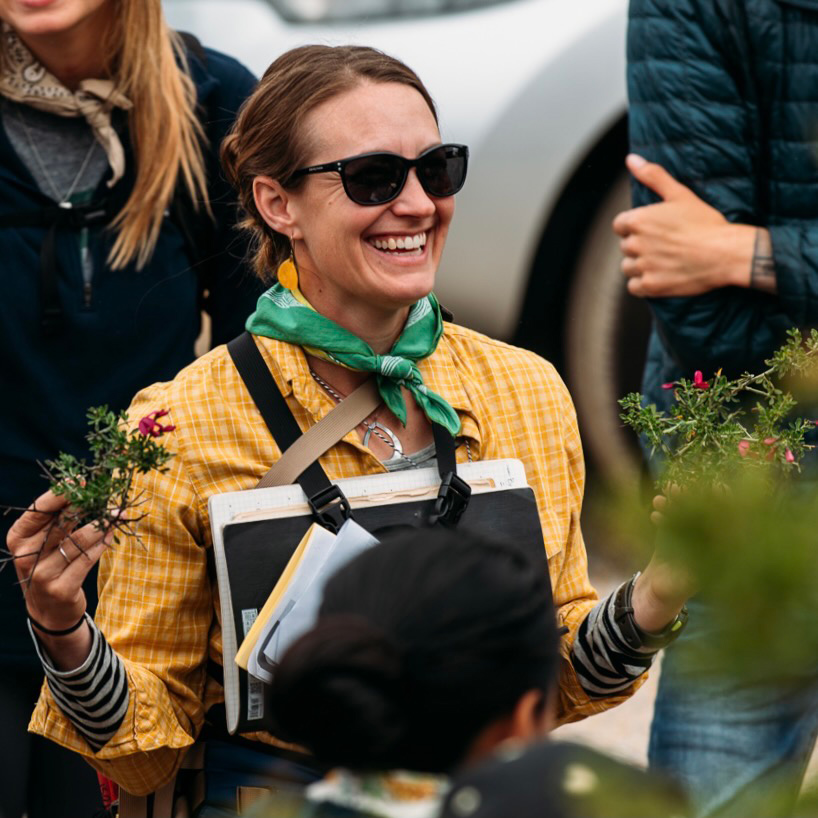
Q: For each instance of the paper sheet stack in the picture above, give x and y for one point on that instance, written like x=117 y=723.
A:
x=292 y=607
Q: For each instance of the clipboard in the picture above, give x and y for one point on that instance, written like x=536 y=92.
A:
x=255 y=533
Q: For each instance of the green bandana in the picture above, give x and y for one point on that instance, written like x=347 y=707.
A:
x=281 y=315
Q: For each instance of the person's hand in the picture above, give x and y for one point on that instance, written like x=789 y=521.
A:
x=665 y=585
x=52 y=563
x=681 y=246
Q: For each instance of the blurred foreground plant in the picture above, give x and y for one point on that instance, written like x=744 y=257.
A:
x=735 y=520
x=99 y=491
x=719 y=426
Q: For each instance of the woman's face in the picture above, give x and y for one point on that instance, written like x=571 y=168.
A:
x=41 y=18
x=342 y=247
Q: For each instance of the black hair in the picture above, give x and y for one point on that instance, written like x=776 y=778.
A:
x=421 y=642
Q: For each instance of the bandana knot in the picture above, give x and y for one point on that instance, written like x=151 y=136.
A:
x=288 y=316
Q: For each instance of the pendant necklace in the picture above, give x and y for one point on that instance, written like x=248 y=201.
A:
x=62 y=201
x=373 y=427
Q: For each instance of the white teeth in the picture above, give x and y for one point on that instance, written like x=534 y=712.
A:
x=401 y=243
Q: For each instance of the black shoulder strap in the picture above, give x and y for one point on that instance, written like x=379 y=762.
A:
x=327 y=501
x=325 y=498
x=52 y=218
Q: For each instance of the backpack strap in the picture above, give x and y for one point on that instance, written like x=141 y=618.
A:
x=329 y=506
x=194 y=223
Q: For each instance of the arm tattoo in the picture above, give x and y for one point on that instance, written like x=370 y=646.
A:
x=762 y=267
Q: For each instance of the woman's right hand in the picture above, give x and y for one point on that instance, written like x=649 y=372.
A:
x=52 y=563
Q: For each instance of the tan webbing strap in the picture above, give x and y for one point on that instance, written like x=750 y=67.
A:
x=132 y=806
x=163 y=800
x=136 y=806
x=324 y=435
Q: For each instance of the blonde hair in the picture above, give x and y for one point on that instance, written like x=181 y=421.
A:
x=268 y=139
x=148 y=63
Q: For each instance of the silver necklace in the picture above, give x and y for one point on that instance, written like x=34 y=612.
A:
x=62 y=201
x=375 y=427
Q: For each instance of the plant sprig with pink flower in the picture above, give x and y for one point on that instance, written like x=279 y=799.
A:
x=718 y=425
x=100 y=490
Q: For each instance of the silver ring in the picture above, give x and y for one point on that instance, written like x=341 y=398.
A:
x=64 y=555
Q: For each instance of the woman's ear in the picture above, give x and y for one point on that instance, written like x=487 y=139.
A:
x=275 y=206
x=532 y=717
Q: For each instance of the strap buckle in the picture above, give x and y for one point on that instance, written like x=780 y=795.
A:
x=452 y=500
x=330 y=508
x=78 y=217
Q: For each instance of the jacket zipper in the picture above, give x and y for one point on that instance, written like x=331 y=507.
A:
x=87 y=264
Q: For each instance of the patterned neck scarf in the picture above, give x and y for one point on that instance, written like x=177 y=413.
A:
x=288 y=316
x=27 y=81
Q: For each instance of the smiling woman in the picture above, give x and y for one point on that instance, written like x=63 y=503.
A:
x=112 y=226
x=348 y=194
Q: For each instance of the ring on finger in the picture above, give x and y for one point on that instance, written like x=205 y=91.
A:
x=64 y=555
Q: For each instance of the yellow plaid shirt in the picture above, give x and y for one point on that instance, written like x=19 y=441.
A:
x=158 y=608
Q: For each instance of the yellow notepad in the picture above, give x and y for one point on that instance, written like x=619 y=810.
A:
x=249 y=642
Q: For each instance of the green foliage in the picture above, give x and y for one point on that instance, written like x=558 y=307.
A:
x=99 y=491
x=735 y=520
x=720 y=426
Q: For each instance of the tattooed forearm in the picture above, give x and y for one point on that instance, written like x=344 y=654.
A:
x=762 y=267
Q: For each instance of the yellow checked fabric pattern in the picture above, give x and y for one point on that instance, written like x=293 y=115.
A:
x=158 y=608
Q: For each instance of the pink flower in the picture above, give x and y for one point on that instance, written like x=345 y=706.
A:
x=744 y=447
x=768 y=441
x=698 y=380
x=789 y=456
x=150 y=425
x=671 y=385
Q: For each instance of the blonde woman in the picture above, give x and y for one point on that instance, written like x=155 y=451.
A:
x=109 y=130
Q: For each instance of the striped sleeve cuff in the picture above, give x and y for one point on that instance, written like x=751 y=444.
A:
x=94 y=696
x=604 y=663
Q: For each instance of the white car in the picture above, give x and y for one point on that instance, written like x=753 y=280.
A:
x=536 y=89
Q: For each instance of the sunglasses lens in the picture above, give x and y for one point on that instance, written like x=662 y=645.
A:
x=442 y=171
x=374 y=179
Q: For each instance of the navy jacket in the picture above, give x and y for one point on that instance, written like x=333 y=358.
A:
x=724 y=95
x=136 y=328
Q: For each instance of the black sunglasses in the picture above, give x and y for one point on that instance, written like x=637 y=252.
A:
x=378 y=178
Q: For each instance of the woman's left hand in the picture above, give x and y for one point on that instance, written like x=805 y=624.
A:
x=663 y=587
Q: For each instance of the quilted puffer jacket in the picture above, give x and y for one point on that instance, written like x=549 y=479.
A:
x=724 y=95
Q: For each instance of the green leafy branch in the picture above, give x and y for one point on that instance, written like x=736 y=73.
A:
x=100 y=490
x=720 y=425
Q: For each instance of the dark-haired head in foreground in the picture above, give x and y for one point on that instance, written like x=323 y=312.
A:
x=430 y=650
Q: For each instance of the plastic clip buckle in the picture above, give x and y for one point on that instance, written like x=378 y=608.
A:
x=330 y=508
x=452 y=500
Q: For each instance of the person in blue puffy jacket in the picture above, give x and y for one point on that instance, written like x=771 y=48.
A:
x=723 y=243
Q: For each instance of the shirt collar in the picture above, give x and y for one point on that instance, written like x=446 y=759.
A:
x=440 y=371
